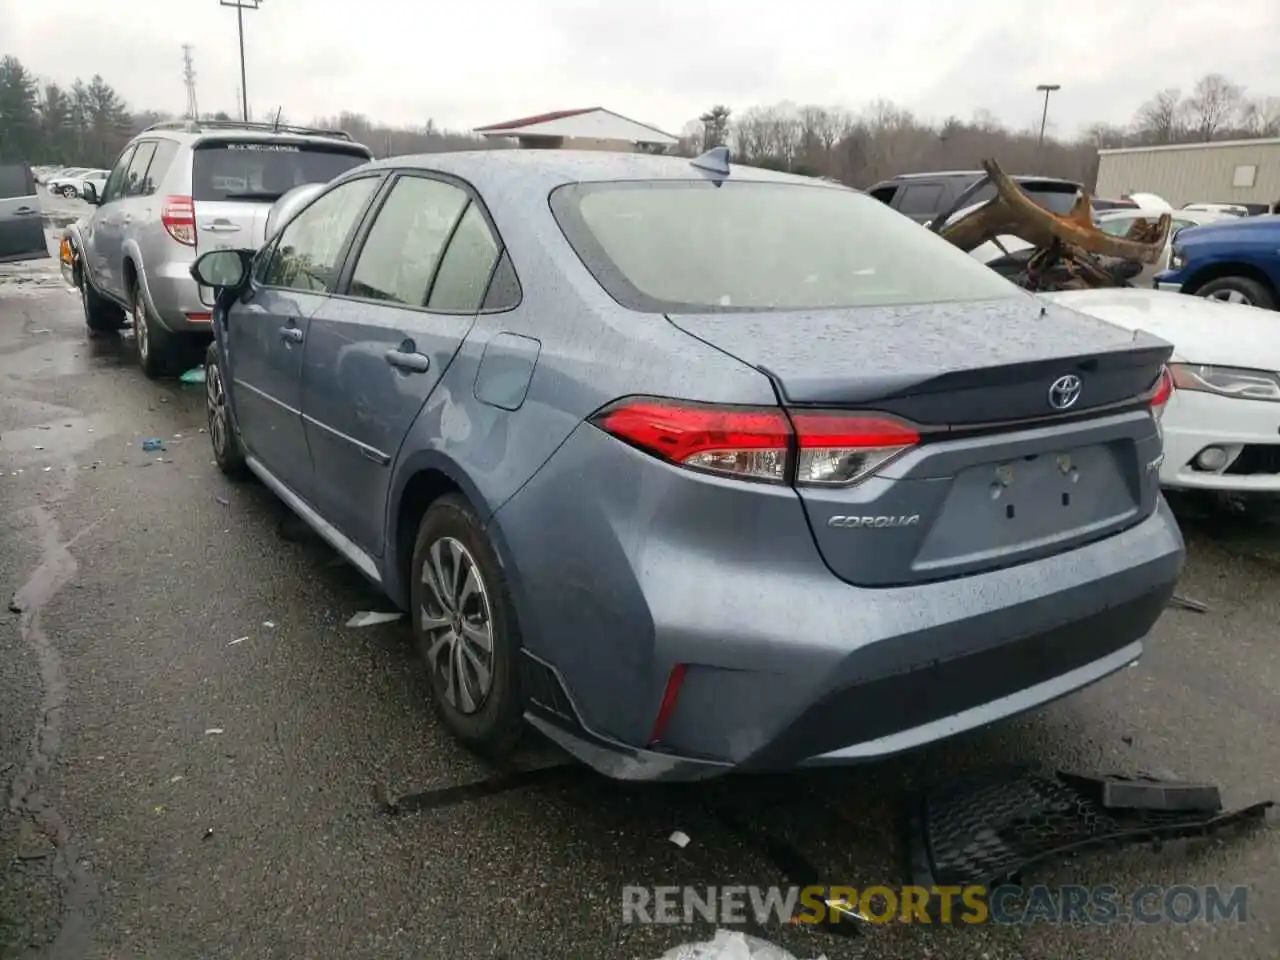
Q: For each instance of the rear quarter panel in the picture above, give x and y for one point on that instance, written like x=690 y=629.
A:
x=589 y=352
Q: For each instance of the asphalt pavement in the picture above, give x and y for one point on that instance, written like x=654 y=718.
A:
x=196 y=751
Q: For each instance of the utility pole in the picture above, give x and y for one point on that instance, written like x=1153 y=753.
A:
x=240 y=7
x=189 y=80
x=1046 y=89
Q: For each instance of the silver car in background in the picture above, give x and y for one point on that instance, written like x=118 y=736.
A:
x=179 y=189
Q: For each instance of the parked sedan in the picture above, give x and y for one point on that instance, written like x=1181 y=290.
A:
x=66 y=183
x=695 y=469
x=1221 y=425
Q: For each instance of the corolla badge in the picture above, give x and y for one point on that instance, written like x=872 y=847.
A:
x=1065 y=391
x=881 y=521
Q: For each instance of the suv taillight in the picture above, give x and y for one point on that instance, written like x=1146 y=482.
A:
x=178 y=214
x=809 y=448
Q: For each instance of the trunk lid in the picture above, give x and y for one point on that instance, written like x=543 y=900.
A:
x=1001 y=477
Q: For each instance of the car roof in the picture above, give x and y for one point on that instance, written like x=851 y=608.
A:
x=544 y=170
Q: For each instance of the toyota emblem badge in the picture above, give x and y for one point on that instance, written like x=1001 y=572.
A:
x=1064 y=392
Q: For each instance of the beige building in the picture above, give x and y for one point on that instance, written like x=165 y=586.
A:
x=1228 y=171
x=591 y=128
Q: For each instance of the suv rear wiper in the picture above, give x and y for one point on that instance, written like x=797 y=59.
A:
x=253 y=195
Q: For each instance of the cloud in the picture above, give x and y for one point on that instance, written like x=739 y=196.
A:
x=482 y=61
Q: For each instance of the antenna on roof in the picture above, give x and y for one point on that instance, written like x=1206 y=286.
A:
x=714 y=161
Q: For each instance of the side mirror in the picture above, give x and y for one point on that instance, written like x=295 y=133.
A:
x=220 y=270
x=90 y=193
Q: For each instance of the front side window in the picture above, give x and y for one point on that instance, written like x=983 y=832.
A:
x=400 y=255
x=309 y=249
x=918 y=198
x=16 y=181
x=690 y=246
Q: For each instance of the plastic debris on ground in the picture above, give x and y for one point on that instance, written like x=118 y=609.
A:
x=679 y=838
x=194 y=375
x=371 y=618
x=152 y=444
x=730 y=945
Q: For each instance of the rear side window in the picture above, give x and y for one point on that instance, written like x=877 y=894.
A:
x=16 y=181
x=223 y=170
x=920 y=198
x=1056 y=197
x=166 y=150
x=690 y=246
x=400 y=254
x=135 y=176
x=885 y=194
x=466 y=266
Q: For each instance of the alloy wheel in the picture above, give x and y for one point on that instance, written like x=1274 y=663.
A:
x=140 y=333
x=216 y=401
x=1230 y=296
x=458 y=623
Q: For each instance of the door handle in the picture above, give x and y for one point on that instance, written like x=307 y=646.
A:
x=408 y=362
x=25 y=212
x=221 y=227
x=292 y=334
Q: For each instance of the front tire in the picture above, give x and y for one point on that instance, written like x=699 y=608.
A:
x=1239 y=290
x=465 y=628
x=153 y=342
x=223 y=437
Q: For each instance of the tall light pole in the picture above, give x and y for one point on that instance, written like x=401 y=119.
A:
x=1045 y=88
x=241 y=6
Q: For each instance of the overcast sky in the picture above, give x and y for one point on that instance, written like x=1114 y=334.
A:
x=661 y=61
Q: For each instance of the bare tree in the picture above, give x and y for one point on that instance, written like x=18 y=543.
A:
x=1159 y=120
x=1213 y=104
x=1260 y=117
x=715 y=126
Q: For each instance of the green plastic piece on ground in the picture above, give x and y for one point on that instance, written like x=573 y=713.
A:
x=194 y=375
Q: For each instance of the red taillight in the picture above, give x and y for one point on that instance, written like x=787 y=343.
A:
x=668 y=706
x=1164 y=391
x=178 y=214
x=806 y=447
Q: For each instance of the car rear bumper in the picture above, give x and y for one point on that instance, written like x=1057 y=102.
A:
x=175 y=297
x=1247 y=430
x=618 y=574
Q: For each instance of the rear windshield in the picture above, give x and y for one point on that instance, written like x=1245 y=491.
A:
x=265 y=171
x=692 y=247
x=1055 y=197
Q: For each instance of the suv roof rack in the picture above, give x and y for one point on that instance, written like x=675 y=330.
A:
x=200 y=126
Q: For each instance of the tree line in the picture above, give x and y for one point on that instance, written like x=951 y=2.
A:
x=881 y=140
x=88 y=123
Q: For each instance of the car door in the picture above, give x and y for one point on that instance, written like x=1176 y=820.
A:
x=267 y=328
x=103 y=233
x=21 y=223
x=375 y=354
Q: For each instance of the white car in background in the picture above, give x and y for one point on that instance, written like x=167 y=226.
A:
x=66 y=183
x=97 y=179
x=1222 y=424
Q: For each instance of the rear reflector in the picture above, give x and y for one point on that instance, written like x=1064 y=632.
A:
x=670 y=696
x=178 y=214
x=760 y=443
x=200 y=317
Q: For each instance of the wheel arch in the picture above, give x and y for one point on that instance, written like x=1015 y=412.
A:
x=1229 y=268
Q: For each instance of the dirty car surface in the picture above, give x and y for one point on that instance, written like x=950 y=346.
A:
x=697 y=471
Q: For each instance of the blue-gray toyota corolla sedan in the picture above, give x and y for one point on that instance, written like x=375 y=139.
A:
x=695 y=468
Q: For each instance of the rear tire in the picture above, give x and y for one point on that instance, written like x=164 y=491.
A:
x=1237 y=289
x=460 y=599
x=100 y=314
x=223 y=436
x=155 y=344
